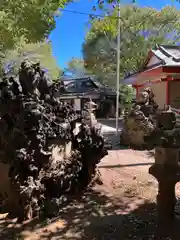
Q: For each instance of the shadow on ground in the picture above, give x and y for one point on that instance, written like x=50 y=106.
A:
x=126 y=165
x=93 y=217
x=114 y=140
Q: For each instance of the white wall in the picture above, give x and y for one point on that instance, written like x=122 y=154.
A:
x=174 y=94
x=153 y=60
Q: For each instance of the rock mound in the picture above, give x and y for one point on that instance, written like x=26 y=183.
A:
x=42 y=161
x=140 y=121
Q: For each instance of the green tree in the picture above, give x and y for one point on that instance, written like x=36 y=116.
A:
x=34 y=52
x=28 y=21
x=23 y=21
x=76 y=64
x=140 y=28
x=31 y=20
x=76 y=67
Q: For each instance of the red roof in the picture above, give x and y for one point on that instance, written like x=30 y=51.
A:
x=169 y=62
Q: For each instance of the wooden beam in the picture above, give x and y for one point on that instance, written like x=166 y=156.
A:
x=145 y=84
x=152 y=72
x=167 y=92
x=167 y=79
x=173 y=69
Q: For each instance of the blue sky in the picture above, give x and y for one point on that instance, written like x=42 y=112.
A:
x=70 y=31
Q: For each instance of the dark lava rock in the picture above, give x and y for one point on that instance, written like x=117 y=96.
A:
x=41 y=160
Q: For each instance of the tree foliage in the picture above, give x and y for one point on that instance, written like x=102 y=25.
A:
x=34 y=52
x=140 y=28
x=31 y=20
x=76 y=64
x=76 y=68
x=24 y=21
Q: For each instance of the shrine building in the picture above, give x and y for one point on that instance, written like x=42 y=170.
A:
x=161 y=71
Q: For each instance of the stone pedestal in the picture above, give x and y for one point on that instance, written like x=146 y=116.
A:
x=166 y=201
x=166 y=171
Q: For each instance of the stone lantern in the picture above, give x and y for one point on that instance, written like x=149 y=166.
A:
x=166 y=169
x=88 y=114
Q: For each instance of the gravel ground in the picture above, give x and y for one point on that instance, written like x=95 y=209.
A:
x=122 y=208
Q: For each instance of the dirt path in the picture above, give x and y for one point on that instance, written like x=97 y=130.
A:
x=122 y=208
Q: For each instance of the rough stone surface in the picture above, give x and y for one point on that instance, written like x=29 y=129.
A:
x=43 y=160
x=139 y=121
x=166 y=168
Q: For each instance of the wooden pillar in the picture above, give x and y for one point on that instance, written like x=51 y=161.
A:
x=168 y=79
x=167 y=92
x=137 y=91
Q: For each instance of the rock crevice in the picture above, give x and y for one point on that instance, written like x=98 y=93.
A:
x=44 y=160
